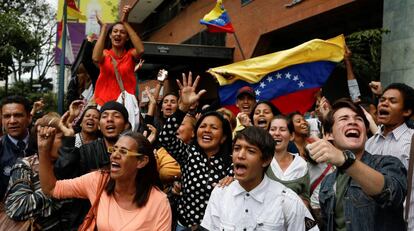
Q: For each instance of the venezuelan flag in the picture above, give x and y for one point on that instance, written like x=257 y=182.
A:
x=217 y=20
x=289 y=79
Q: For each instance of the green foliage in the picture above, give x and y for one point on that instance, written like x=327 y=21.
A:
x=24 y=88
x=27 y=33
x=366 y=52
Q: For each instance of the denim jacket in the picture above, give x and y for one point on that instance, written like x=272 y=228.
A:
x=381 y=212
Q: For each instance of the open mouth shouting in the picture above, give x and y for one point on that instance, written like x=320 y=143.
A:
x=262 y=123
x=206 y=138
x=352 y=133
x=383 y=113
x=240 y=169
x=115 y=167
x=110 y=128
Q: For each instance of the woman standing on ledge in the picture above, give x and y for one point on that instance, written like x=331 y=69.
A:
x=125 y=47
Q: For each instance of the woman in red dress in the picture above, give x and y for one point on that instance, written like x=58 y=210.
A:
x=125 y=46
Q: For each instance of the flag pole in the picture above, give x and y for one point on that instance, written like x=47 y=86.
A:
x=61 y=81
x=239 y=46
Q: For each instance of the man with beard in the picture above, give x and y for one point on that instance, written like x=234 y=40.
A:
x=366 y=192
x=16 y=118
x=395 y=107
x=74 y=162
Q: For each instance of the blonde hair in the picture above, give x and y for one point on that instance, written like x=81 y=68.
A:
x=50 y=119
x=228 y=113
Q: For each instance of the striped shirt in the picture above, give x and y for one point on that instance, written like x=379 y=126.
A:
x=25 y=199
x=397 y=143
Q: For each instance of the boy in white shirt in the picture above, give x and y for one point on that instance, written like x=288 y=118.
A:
x=253 y=201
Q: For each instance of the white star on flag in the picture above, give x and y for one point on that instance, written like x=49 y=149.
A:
x=301 y=84
x=257 y=92
x=269 y=79
x=296 y=78
x=287 y=75
x=278 y=75
x=262 y=85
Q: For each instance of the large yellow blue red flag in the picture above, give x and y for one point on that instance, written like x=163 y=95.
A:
x=217 y=20
x=289 y=78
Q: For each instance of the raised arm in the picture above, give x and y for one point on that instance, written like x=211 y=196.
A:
x=97 y=55
x=371 y=181
x=67 y=164
x=135 y=39
x=352 y=82
x=45 y=137
x=167 y=137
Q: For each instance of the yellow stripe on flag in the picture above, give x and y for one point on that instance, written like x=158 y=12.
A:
x=75 y=14
x=215 y=12
x=254 y=69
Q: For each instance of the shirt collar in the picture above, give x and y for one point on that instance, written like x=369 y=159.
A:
x=14 y=141
x=397 y=132
x=258 y=193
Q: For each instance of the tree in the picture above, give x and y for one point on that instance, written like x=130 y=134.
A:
x=366 y=52
x=26 y=36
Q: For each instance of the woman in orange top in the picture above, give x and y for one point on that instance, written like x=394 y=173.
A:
x=124 y=45
x=127 y=202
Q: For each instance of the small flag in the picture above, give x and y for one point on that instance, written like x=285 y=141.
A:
x=73 y=10
x=289 y=78
x=217 y=20
x=68 y=49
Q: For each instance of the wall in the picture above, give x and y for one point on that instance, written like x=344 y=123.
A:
x=250 y=21
x=397 y=57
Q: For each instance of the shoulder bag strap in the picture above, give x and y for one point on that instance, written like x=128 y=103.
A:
x=409 y=179
x=118 y=78
x=101 y=187
x=320 y=178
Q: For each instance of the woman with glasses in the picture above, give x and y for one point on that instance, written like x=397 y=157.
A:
x=127 y=202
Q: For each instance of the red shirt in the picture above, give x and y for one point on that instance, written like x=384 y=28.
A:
x=107 y=87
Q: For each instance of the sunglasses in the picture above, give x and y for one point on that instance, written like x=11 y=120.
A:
x=123 y=151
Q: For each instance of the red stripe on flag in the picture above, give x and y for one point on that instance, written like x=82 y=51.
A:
x=227 y=28
x=300 y=101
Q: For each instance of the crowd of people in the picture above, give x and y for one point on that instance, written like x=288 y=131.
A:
x=342 y=166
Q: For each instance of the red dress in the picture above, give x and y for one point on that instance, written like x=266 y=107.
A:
x=107 y=87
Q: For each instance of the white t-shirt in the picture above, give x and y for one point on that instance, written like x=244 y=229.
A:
x=297 y=169
x=269 y=206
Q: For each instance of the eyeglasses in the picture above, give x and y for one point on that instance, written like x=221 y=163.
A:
x=123 y=151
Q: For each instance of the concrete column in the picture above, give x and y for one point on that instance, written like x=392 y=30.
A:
x=397 y=58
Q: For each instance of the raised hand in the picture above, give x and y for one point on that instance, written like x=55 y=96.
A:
x=98 y=19
x=348 y=53
x=45 y=139
x=162 y=75
x=66 y=126
x=75 y=108
x=188 y=94
x=139 y=65
x=37 y=106
x=125 y=13
x=151 y=97
x=376 y=87
x=152 y=134
x=323 y=151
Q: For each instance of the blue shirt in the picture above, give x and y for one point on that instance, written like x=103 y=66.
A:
x=362 y=212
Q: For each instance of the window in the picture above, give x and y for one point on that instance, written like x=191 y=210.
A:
x=245 y=2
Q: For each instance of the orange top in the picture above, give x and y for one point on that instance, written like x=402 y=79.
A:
x=107 y=87
x=155 y=215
